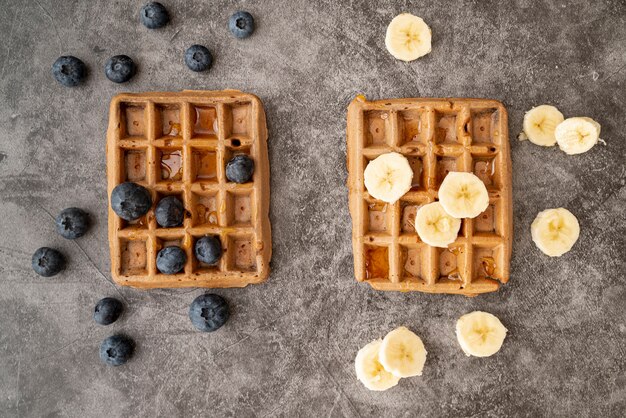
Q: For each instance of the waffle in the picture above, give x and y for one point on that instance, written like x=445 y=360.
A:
x=178 y=143
x=436 y=136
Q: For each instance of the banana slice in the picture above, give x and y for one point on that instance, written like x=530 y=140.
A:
x=402 y=353
x=555 y=231
x=577 y=135
x=463 y=195
x=540 y=123
x=388 y=177
x=408 y=37
x=480 y=334
x=369 y=370
x=435 y=226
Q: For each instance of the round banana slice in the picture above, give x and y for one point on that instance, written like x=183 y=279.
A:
x=435 y=226
x=540 y=123
x=369 y=370
x=555 y=231
x=402 y=353
x=480 y=334
x=577 y=135
x=408 y=37
x=463 y=195
x=388 y=177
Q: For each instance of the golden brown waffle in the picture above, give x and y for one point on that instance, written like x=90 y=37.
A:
x=178 y=143
x=436 y=136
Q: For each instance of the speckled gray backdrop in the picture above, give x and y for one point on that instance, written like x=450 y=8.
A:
x=289 y=348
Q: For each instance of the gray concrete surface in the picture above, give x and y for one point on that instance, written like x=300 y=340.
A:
x=289 y=348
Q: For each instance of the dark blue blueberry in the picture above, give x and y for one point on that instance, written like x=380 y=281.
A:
x=240 y=169
x=154 y=15
x=47 y=262
x=72 y=223
x=209 y=312
x=107 y=311
x=116 y=350
x=171 y=260
x=130 y=201
x=198 y=58
x=169 y=212
x=69 y=71
x=208 y=249
x=241 y=24
x=119 y=68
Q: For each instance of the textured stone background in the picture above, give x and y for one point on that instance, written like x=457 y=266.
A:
x=289 y=347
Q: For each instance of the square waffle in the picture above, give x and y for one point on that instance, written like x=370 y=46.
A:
x=178 y=143
x=436 y=136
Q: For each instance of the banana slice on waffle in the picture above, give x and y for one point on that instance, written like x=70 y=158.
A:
x=435 y=226
x=463 y=195
x=388 y=177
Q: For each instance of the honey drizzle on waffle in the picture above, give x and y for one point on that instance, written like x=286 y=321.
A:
x=436 y=136
x=178 y=143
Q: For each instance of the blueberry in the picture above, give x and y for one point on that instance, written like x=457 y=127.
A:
x=241 y=24
x=69 y=71
x=130 y=201
x=119 y=68
x=47 y=262
x=154 y=15
x=198 y=58
x=208 y=249
x=116 y=350
x=72 y=223
x=169 y=212
x=209 y=312
x=240 y=169
x=107 y=311
x=171 y=260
